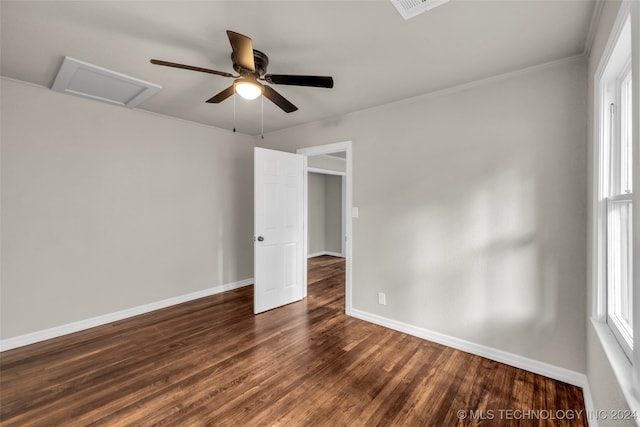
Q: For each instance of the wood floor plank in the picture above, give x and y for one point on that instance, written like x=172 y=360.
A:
x=213 y=362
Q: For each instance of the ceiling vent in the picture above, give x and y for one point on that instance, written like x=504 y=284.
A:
x=410 y=8
x=90 y=81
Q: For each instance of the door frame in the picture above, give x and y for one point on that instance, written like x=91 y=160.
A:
x=346 y=147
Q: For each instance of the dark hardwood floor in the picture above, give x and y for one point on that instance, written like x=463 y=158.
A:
x=212 y=362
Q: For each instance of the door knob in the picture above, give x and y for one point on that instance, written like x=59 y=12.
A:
x=260 y=239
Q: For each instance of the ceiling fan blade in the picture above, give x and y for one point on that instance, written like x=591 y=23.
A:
x=242 y=50
x=216 y=99
x=288 y=79
x=190 y=67
x=279 y=100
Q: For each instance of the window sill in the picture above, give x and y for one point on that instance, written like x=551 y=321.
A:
x=619 y=363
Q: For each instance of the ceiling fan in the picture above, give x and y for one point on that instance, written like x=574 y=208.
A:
x=251 y=66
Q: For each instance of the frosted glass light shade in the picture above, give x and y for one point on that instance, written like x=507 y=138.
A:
x=248 y=89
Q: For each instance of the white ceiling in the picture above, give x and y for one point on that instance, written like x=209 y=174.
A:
x=374 y=56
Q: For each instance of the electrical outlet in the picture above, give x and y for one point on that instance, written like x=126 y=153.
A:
x=382 y=298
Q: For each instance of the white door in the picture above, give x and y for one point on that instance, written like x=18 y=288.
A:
x=278 y=229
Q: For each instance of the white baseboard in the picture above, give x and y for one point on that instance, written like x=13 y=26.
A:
x=34 y=337
x=521 y=362
x=338 y=254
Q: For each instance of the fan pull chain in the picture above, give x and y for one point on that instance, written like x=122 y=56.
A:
x=262 y=117
x=234 y=110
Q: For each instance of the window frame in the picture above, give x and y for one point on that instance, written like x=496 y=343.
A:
x=616 y=189
x=626 y=369
x=614 y=70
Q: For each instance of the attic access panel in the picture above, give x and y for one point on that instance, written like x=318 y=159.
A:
x=410 y=8
x=80 y=78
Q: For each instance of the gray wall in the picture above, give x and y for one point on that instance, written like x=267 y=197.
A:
x=325 y=212
x=473 y=210
x=315 y=211
x=333 y=214
x=327 y=162
x=105 y=208
x=604 y=387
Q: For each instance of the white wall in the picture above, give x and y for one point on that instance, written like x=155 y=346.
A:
x=605 y=390
x=105 y=208
x=472 y=210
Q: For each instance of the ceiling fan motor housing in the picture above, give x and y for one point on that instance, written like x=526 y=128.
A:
x=261 y=61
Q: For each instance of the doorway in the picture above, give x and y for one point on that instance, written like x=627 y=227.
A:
x=332 y=160
x=325 y=220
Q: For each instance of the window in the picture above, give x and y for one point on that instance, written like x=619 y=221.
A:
x=616 y=202
x=616 y=191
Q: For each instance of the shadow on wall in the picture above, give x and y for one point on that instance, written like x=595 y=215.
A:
x=481 y=253
x=479 y=265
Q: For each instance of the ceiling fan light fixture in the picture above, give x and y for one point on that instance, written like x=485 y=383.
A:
x=251 y=65
x=248 y=88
